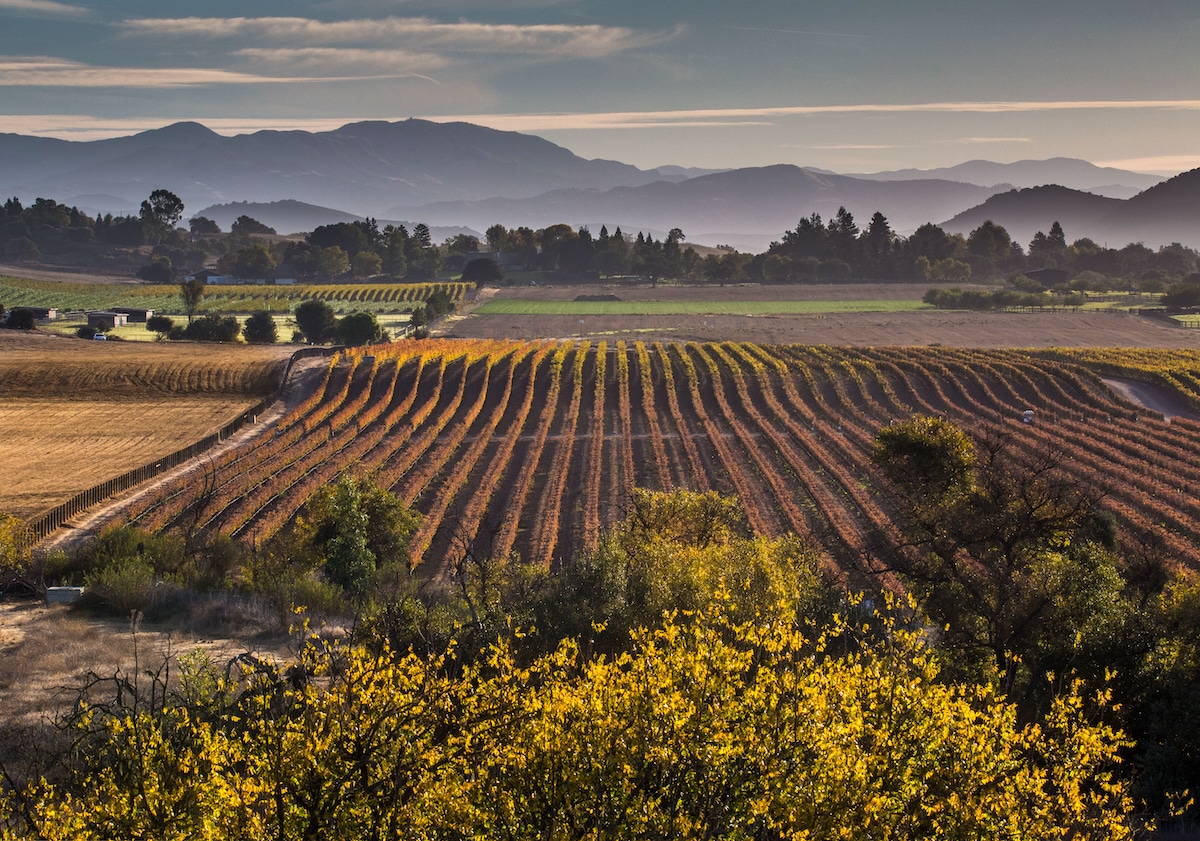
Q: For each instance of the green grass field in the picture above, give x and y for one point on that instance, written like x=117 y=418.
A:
x=520 y=306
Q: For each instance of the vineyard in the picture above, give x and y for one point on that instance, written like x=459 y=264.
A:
x=165 y=298
x=533 y=448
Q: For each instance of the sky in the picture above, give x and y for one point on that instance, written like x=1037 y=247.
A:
x=853 y=86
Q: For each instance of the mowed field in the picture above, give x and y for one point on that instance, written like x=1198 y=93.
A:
x=839 y=314
x=534 y=447
x=76 y=413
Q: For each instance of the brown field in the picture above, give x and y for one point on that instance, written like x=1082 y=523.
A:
x=905 y=329
x=76 y=413
x=534 y=448
x=67 y=274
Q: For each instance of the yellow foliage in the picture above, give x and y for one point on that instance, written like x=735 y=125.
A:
x=16 y=544
x=705 y=728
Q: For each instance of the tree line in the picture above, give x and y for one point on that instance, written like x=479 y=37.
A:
x=816 y=250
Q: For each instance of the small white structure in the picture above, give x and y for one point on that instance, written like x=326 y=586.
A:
x=1027 y=416
x=63 y=595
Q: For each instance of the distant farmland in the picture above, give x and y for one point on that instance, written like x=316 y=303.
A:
x=165 y=298
x=526 y=306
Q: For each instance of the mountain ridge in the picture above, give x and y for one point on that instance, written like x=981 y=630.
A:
x=463 y=175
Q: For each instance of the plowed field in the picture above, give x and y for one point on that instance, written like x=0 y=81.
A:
x=534 y=447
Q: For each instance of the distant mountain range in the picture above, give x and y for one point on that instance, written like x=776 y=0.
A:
x=460 y=175
x=1065 y=172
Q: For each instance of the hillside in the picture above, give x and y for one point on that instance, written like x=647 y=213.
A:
x=1168 y=212
x=1165 y=213
x=1025 y=212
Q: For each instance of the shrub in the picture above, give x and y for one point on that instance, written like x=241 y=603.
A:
x=121 y=587
x=260 y=328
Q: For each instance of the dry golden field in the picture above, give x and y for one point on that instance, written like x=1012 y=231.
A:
x=75 y=413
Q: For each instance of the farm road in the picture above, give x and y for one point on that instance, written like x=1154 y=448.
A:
x=1156 y=398
x=302 y=379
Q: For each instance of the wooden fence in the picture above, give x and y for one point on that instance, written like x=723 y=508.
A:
x=46 y=523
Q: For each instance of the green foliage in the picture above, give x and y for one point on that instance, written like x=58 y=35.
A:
x=159 y=271
x=246 y=225
x=20 y=319
x=260 y=328
x=213 y=328
x=675 y=551
x=252 y=261
x=927 y=456
x=357 y=527
x=482 y=271
x=121 y=586
x=192 y=292
x=1005 y=552
x=315 y=319
x=203 y=225
x=160 y=324
x=358 y=328
x=160 y=213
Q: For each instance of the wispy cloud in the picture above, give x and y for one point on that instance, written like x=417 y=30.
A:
x=836 y=146
x=809 y=32
x=43 y=7
x=738 y=116
x=1159 y=164
x=562 y=40
x=60 y=73
x=989 y=140
x=344 y=59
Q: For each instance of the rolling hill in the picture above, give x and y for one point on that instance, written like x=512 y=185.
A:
x=1165 y=213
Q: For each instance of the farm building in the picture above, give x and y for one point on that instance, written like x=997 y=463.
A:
x=135 y=315
x=210 y=277
x=106 y=319
x=284 y=275
x=39 y=313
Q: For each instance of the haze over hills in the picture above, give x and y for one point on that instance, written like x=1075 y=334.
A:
x=290 y=217
x=1025 y=212
x=462 y=175
x=1067 y=172
x=746 y=208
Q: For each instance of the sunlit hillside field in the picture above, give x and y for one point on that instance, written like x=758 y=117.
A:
x=77 y=412
x=535 y=448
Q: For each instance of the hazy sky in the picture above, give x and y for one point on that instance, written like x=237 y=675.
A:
x=852 y=86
